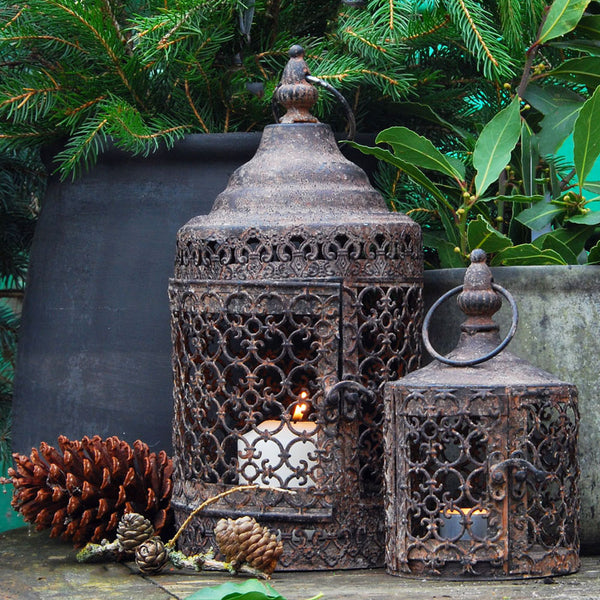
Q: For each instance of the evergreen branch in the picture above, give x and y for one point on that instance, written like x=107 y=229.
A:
x=387 y=78
x=193 y=106
x=52 y=38
x=9 y=23
x=23 y=135
x=163 y=43
x=427 y=32
x=365 y=41
x=73 y=111
x=82 y=148
x=391 y=14
x=22 y=99
x=117 y=27
x=107 y=47
x=481 y=37
x=477 y=33
x=155 y=134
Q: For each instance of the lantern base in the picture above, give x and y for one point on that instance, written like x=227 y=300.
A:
x=315 y=536
x=563 y=563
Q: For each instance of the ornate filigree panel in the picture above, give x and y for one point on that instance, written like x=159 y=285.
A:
x=546 y=508
x=300 y=252
x=245 y=355
x=483 y=483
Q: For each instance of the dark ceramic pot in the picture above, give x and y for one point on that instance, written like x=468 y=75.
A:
x=95 y=350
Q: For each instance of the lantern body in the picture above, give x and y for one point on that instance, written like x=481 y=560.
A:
x=481 y=461
x=297 y=279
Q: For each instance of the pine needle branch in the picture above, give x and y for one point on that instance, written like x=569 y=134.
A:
x=106 y=46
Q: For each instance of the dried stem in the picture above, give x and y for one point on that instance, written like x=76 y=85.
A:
x=213 y=499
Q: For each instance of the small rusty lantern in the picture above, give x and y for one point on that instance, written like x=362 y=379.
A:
x=481 y=456
x=293 y=302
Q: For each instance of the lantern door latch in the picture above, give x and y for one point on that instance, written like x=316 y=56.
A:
x=522 y=470
x=345 y=398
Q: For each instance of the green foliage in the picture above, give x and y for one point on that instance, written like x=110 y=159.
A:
x=21 y=184
x=146 y=72
x=517 y=200
x=251 y=589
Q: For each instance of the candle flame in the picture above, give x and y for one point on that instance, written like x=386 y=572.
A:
x=299 y=411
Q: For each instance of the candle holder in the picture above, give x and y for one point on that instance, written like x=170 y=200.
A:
x=481 y=456
x=299 y=287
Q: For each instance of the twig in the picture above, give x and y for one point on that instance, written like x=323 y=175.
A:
x=531 y=52
x=214 y=499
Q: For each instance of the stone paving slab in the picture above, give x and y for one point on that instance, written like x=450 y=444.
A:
x=35 y=567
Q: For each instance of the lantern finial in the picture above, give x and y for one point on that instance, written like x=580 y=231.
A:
x=295 y=92
x=478 y=300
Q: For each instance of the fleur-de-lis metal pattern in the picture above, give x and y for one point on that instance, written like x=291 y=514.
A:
x=261 y=320
x=500 y=463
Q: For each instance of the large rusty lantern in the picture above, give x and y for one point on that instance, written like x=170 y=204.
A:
x=299 y=293
x=481 y=459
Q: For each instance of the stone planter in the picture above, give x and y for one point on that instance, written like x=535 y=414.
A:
x=559 y=331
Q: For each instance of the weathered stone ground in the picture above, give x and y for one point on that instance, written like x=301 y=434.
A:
x=35 y=567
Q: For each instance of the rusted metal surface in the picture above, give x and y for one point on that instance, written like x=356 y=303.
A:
x=482 y=473
x=298 y=279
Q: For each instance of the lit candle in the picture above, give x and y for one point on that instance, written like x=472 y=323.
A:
x=256 y=453
x=454 y=522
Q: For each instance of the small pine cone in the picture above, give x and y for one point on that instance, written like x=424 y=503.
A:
x=243 y=540
x=263 y=550
x=226 y=538
x=151 y=556
x=133 y=529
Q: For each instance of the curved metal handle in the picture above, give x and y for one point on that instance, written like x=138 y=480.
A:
x=474 y=361
x=348 y=110
x=344 y=397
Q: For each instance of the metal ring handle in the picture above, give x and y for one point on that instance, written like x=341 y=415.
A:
x=349 y=114
x=474 y=361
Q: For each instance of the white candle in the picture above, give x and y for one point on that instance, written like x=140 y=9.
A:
x=256 y=454
x=454 y=522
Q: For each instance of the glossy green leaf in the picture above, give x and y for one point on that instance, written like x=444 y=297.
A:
x=573 y=236
x=449 y=259
x=539 y=215
x=588 y=46
x=560 y=107
x=592 y=186
x=528 y=254
x=516 y=199
x=529 y=157
x=589 y=26
x=586 y=136
x=584 y=71
x=417 y=150
x=550 y=242
x=594 y=255
x=251 y=589
x=562 y=17
x=480 y=234
x=591 y=218
x=413 y=172
x=495 y=144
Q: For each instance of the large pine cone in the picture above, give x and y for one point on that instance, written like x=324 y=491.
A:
x=243 y=540
x=133 y=529
x=151 y=556
x=82 y=491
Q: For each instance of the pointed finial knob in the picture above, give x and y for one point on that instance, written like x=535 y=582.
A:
x=478 y=298
x=294 y=92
